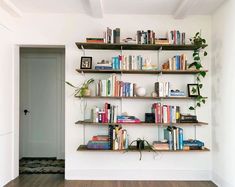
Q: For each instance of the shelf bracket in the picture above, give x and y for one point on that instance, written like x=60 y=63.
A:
x=83 y=50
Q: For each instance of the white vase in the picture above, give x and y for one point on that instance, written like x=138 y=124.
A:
x=141 y=91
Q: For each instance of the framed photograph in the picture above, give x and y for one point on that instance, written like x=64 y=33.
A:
x=193 y=90
x=86 y=62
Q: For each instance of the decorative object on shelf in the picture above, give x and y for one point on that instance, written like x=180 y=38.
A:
x=83 y=90
x=200 y=44
x=193 y=90
x=142 y=144
x=154 y=94
x=149 y=118
x=140 y=91
x=129 y=40
x=86 y=62
x=148 y=64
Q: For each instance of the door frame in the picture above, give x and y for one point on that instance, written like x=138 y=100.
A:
x=16 y=99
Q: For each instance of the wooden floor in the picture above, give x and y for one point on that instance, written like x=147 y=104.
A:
x=56 y=180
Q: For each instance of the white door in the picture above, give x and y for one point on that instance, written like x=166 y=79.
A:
x=41 y=102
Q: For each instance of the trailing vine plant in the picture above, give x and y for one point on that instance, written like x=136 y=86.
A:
x=200 y=45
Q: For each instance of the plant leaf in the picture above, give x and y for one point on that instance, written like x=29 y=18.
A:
x=198 y=104
x=205 y=53
x=197 y=58
x=200 y=86
x=192 y=64
x=191 y=108
x=70 y=84
x=204 y=101
x=203 y=73
x=197 y=34
x=198 y=65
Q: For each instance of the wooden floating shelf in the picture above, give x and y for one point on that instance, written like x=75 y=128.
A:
x=142 y=124
x=106 y=46
x=133 y=149
x=145 y=97
x=140 y=71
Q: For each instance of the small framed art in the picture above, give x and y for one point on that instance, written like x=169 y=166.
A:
x=193 y=90
x=86 y=62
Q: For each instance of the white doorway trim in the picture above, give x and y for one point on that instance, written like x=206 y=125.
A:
x=16 y=100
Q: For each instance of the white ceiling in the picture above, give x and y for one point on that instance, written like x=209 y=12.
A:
x=159 y=7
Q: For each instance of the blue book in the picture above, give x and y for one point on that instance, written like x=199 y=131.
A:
x=177 y=62
x=103 y=67
x=113 y=62
x=181 y=140
x=193 y=143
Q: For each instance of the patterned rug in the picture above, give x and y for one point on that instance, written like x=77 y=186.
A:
x=41 y=166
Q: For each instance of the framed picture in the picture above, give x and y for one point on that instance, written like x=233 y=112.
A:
x=86 y=62
x=193 y=90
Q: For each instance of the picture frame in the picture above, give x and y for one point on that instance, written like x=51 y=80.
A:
x=86 y=62
x=193 y=90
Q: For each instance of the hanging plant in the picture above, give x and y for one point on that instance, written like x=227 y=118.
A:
x=200 y=45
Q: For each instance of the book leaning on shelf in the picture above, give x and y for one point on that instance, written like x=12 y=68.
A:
x=118 y=138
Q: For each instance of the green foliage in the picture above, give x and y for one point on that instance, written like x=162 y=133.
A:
x=200 y=44
x=81 y=90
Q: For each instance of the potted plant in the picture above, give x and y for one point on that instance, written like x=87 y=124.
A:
x=82 y=90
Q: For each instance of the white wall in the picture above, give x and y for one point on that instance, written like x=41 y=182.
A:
x=66 y=29
x=6 y=102
x=222 y=95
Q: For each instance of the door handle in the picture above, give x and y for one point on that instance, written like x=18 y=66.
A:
x=26 y=112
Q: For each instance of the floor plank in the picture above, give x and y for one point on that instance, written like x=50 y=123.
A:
x=57 y=180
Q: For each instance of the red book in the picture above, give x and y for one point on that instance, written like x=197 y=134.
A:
x=106 y=113
x=168 y=114
x=100 y=138
x=103 y=117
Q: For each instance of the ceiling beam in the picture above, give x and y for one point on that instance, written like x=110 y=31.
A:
x=96 y=8
x=183 y=8
x=9 y=7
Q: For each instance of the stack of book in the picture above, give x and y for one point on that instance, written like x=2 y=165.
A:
x=174 y=136
x=177 y=93
x=127 y=119
x=95 y=40
x=177 y=38
x=193 y=145
x=147 y=37
x=99 y=142
x=162 y=41
x=158 y=145
x=113 y=87
x=162 y=89
x=108 y=114
x=104 y=65
x=112 y=36
x=187 y=118
x=166 y=113
x=118 y=138
x=178 y=62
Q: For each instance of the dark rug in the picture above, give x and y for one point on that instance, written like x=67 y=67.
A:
x=41 y=166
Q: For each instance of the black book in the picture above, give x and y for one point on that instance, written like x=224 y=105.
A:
x=110 y=137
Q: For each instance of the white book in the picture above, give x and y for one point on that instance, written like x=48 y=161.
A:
x=164 y=114
x=131 y=90
x=161 y=89
x=103 y=87
x=173 y=114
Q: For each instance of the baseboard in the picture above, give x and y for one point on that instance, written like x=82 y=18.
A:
x=95 y=174
x=220 y=182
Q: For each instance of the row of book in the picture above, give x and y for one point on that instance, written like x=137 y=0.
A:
x=108 y=114
x=145 y=37
x=166 y=113
x=178 y=62
x=118 y=138
x=177 y=38
x=113 y=87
